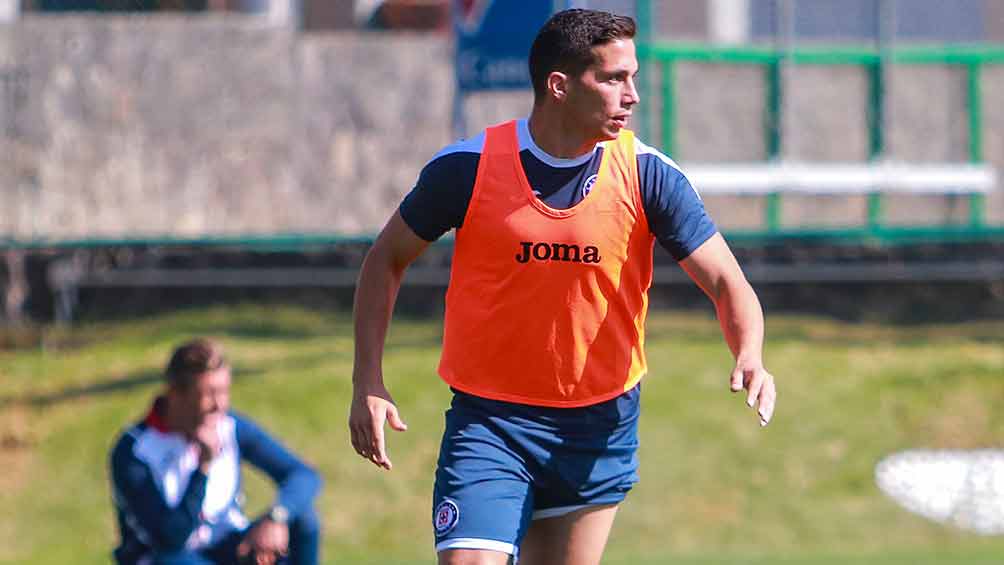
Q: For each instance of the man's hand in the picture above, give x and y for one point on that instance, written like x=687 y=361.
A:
x=760 y=386
x=207 y=439
x=266 y=542
x=370 y=409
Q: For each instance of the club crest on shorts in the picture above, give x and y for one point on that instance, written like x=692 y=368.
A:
x=446 y=516
x=587 y=186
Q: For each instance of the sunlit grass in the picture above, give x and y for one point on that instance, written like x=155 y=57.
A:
x=716 y=488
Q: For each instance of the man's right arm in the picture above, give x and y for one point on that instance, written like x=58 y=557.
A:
x=376 y=292
x=138 y=497
x=437 y=204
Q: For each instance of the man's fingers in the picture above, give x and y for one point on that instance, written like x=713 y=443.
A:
x=736 y=382
x=754 y=386
x=760 y=390
x=367 y=429
x=359 y=441
x=378 y=452
x=359 y=423
x=768 y=394
x=394 y=419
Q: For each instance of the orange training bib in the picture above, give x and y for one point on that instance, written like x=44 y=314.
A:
x=547 y=307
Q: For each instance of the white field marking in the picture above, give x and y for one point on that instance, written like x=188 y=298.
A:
x=960 y=488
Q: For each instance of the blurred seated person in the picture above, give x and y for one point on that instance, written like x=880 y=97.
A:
x=176 y=477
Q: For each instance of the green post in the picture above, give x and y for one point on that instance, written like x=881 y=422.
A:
x=876 y=139
x=772 y=212
x=876 y=109
x=772 y=138
x=977 y=202
x=875 y=212
x=669 y=108
x=772 y=119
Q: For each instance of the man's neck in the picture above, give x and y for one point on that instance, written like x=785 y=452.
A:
x=553 y=133
x=168 y=418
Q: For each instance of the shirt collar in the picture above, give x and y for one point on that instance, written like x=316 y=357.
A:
x=155 y=418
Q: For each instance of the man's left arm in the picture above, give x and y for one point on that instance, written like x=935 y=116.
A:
x=677 y=218
x=297 y=483
x=714 y=268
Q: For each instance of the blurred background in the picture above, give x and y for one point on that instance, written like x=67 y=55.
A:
x=179 y=167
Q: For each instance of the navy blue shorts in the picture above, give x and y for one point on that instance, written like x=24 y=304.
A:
x=502 y=465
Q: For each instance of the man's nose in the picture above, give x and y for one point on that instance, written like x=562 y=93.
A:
x=631 y=94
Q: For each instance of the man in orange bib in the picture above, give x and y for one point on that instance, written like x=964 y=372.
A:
x=556 y=217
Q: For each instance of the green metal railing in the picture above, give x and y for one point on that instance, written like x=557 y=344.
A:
x=666 y=56
x=771 y=60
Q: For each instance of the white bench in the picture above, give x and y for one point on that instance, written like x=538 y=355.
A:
x=875 y=179
x=841 y=178
x=770 y=179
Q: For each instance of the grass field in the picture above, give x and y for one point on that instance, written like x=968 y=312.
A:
x=715 y=489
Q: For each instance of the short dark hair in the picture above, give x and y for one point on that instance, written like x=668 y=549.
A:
x=566 y=41
x=191 y=359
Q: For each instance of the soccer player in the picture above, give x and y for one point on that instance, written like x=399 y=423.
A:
x=555 y=217
x=177 y=482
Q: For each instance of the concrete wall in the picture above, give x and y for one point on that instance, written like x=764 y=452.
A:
x=124 y=126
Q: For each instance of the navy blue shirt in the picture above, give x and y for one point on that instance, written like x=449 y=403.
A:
x=675 y=212
x=164 y=503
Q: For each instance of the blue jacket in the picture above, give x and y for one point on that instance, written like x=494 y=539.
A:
x=165 y=503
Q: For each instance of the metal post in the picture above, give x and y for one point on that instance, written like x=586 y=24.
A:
x=669 y=108
x=876 y=142
x=885 y=32
x=772 y=123
x=772 y=119
x=975 y=103
x=777 y=78
x=977 y=201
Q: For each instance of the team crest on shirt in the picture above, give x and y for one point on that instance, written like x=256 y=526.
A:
x=587 y=186
x=446 y=516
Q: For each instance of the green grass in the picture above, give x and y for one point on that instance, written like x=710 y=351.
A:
x=715 y=489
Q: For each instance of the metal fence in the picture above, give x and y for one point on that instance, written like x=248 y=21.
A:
x=875 y=63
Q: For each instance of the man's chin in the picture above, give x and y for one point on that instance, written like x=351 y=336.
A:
x=610 y=133
x=612 y=129
x=211 y=419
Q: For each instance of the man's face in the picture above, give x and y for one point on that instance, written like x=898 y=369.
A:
x=204 y=402
x=602 y=97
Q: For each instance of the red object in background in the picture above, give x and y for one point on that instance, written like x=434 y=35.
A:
x=426 y=15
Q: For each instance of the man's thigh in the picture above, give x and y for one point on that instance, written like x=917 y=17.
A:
x=483 y=497
x=576 y=538
x=474 y=557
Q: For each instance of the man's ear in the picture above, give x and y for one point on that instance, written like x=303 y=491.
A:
x=557 y=85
